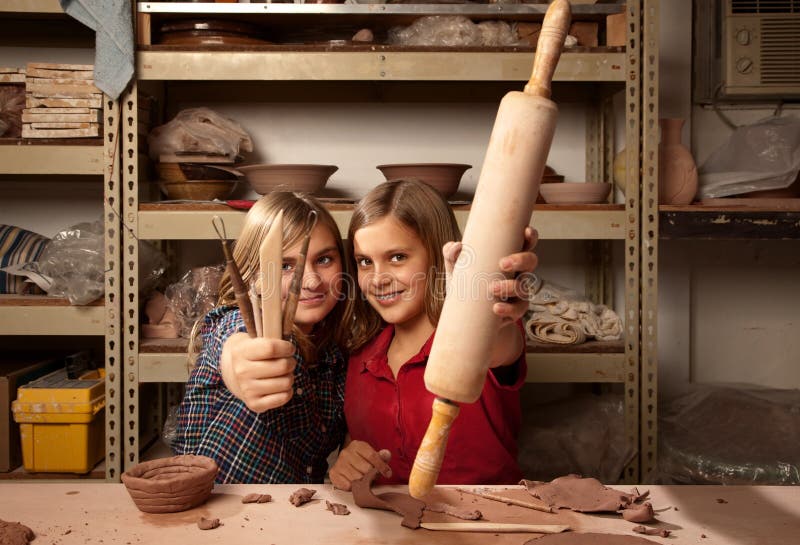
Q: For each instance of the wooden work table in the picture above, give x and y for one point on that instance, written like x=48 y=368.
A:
x=81 y=512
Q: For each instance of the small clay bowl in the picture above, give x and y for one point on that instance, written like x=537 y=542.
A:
x=170 y=485
x=198 y=190
x=264 y=178
x=444 y=177
x=575 y=193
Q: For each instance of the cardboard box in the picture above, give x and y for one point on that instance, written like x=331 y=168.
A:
x=15 y=370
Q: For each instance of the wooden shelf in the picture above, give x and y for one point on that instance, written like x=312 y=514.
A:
x=44 y=315
x=728 y=222
x=165 y=360
x=35 y=7
x=75 y=156
x=558 y=222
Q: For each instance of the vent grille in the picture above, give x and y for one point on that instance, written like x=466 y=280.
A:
x=765 y=6
x=780 y=54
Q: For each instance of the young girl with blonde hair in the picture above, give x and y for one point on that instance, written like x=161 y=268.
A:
x=270 y=410
x=402 y=239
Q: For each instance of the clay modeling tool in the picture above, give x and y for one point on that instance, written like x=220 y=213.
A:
x=290 y=308
x=502 y=208
x=508 y=501
x=495 y=527
x=270 y=256
x=239 y=291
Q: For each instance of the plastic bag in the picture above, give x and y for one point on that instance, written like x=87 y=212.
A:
x=74 y=262
x=717 y=435
x=199 y=130
x=761 y=156
x=453 y=31
x=194 y=295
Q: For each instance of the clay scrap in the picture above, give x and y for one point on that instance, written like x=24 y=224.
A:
x=662 y=532
x=257 y=498
x=588 y=495
x=337 y=508
x=208 y=524
x=403 y=504
x=574 y=538
x=14 y=533
x=453 y=511
x=301 y=496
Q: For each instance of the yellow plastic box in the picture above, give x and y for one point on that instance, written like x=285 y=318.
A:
x=62 y=422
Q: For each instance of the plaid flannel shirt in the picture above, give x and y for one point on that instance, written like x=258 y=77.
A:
x=289 y=444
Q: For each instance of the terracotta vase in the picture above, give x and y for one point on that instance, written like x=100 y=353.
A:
x=677 y=171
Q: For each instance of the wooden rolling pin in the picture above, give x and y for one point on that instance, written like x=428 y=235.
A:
x=503 y=204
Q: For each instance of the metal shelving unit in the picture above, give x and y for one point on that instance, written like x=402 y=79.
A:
x=611 y=70
x=98 y=160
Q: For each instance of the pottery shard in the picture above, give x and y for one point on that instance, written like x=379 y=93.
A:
x=301 y=496
x=337 y=508
x=208 y=524
x=14 y=533
x=651 y=531
x=257 y=498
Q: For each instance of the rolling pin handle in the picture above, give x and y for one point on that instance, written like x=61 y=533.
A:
x=429 y=458
x=548 y=49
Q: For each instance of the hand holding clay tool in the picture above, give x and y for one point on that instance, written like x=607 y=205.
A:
x=240 y=292
x=270 y=256
x=290 y=308
x=502 y=208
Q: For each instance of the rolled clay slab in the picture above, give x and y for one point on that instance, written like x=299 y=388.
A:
x=170 y=485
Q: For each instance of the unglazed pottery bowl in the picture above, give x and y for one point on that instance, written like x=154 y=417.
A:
x=198 y=190
x=575 y=193
x=444 y=177
x=264 y=178
x=170 y=485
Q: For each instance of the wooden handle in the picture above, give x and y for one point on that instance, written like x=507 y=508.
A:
x=239 y=291
x=548 y=48
x=271 y=260
x=496 y=527
x=431 y=452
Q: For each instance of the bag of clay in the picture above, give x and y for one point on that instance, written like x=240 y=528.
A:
x=73 y=260
x=199 y=131
x=194 y=295
x=757 y=157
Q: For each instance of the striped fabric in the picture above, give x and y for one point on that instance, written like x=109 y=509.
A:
x=18 y=245
x=289 y=444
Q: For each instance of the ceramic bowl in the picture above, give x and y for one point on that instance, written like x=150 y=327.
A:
x=444 y=177
x=575 y=193
x=169 y=485
x=264 y=178
x=182 y=172
x=198 y=190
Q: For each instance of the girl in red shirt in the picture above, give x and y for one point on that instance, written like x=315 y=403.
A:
x=401 y=237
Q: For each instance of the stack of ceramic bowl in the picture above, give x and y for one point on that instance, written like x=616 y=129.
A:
x=196 y=182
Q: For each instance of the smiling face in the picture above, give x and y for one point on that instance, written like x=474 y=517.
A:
x=322 y=278
x=392 y=265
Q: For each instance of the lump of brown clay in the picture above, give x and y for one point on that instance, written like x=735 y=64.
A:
x=639 y=513
x=257 y=498
x=583 y=495
x=651 y=531
x=453 y=511
x=403 y=504
x=14 y=533
x=208 y=524
x=337 y=508
x=301 y=496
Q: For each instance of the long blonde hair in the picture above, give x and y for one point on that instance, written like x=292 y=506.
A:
x=296 y=207
x=422 y=209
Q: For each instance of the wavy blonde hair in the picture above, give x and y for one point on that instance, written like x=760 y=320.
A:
x=296 y=208
x=422 y=209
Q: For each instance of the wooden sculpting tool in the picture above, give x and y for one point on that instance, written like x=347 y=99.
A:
x=240 y=292
x=270 y=256
x=509 y=501
x=495 y=527
x=290 y=308
x=502 y=208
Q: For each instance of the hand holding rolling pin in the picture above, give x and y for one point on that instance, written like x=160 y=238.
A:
x=503 y=203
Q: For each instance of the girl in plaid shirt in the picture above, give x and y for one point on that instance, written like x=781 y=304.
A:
x=268 y=410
